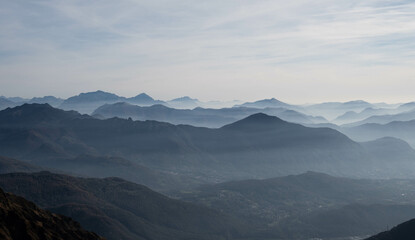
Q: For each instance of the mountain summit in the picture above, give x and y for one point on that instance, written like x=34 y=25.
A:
x=265 y=103
x=142 y=97
x=92 y=96
x=255 y=122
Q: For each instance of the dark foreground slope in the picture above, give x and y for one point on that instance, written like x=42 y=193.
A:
x=258 y=146
x=310 y=205
x=404 y=231
x=21 y=219
x=117 y=209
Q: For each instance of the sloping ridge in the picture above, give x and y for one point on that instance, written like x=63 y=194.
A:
x=118 y=209
x=92 y=96
x=265 y=103
x=35 y=113
x=21 y=219
x=8 y=165
x=404 y=231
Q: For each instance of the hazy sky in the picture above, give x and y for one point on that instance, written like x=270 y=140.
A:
x=297 y=51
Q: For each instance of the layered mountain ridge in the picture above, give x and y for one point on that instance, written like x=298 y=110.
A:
x=258 y=146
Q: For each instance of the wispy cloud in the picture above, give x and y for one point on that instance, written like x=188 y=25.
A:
x=212 y=49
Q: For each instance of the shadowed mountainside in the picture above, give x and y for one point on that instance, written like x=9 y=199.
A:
x=21 y=219
x=117 y=209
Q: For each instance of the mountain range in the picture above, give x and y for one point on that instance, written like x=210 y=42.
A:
x=331 y=110
x=340 y=112
x=183 y=161
x=201 y=117
x=352 y=116
x=386 y=118
x=88 y=102
x=398 y=129
x=258 y=146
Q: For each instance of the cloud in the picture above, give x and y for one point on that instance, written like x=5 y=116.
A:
x=247 y=49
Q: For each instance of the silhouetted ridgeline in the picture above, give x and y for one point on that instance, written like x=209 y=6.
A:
x=404 y=231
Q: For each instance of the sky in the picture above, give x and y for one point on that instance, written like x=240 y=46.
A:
x=298 y=51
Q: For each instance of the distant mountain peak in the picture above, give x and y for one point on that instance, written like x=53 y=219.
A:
x=270 y=100
x=143 y=96
x=256 y=121
x=265 y=103
x=185 y=98
x=98 y=93
x=356 y=101
x=360 y=103
x=260 y=117
x=93 y=96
